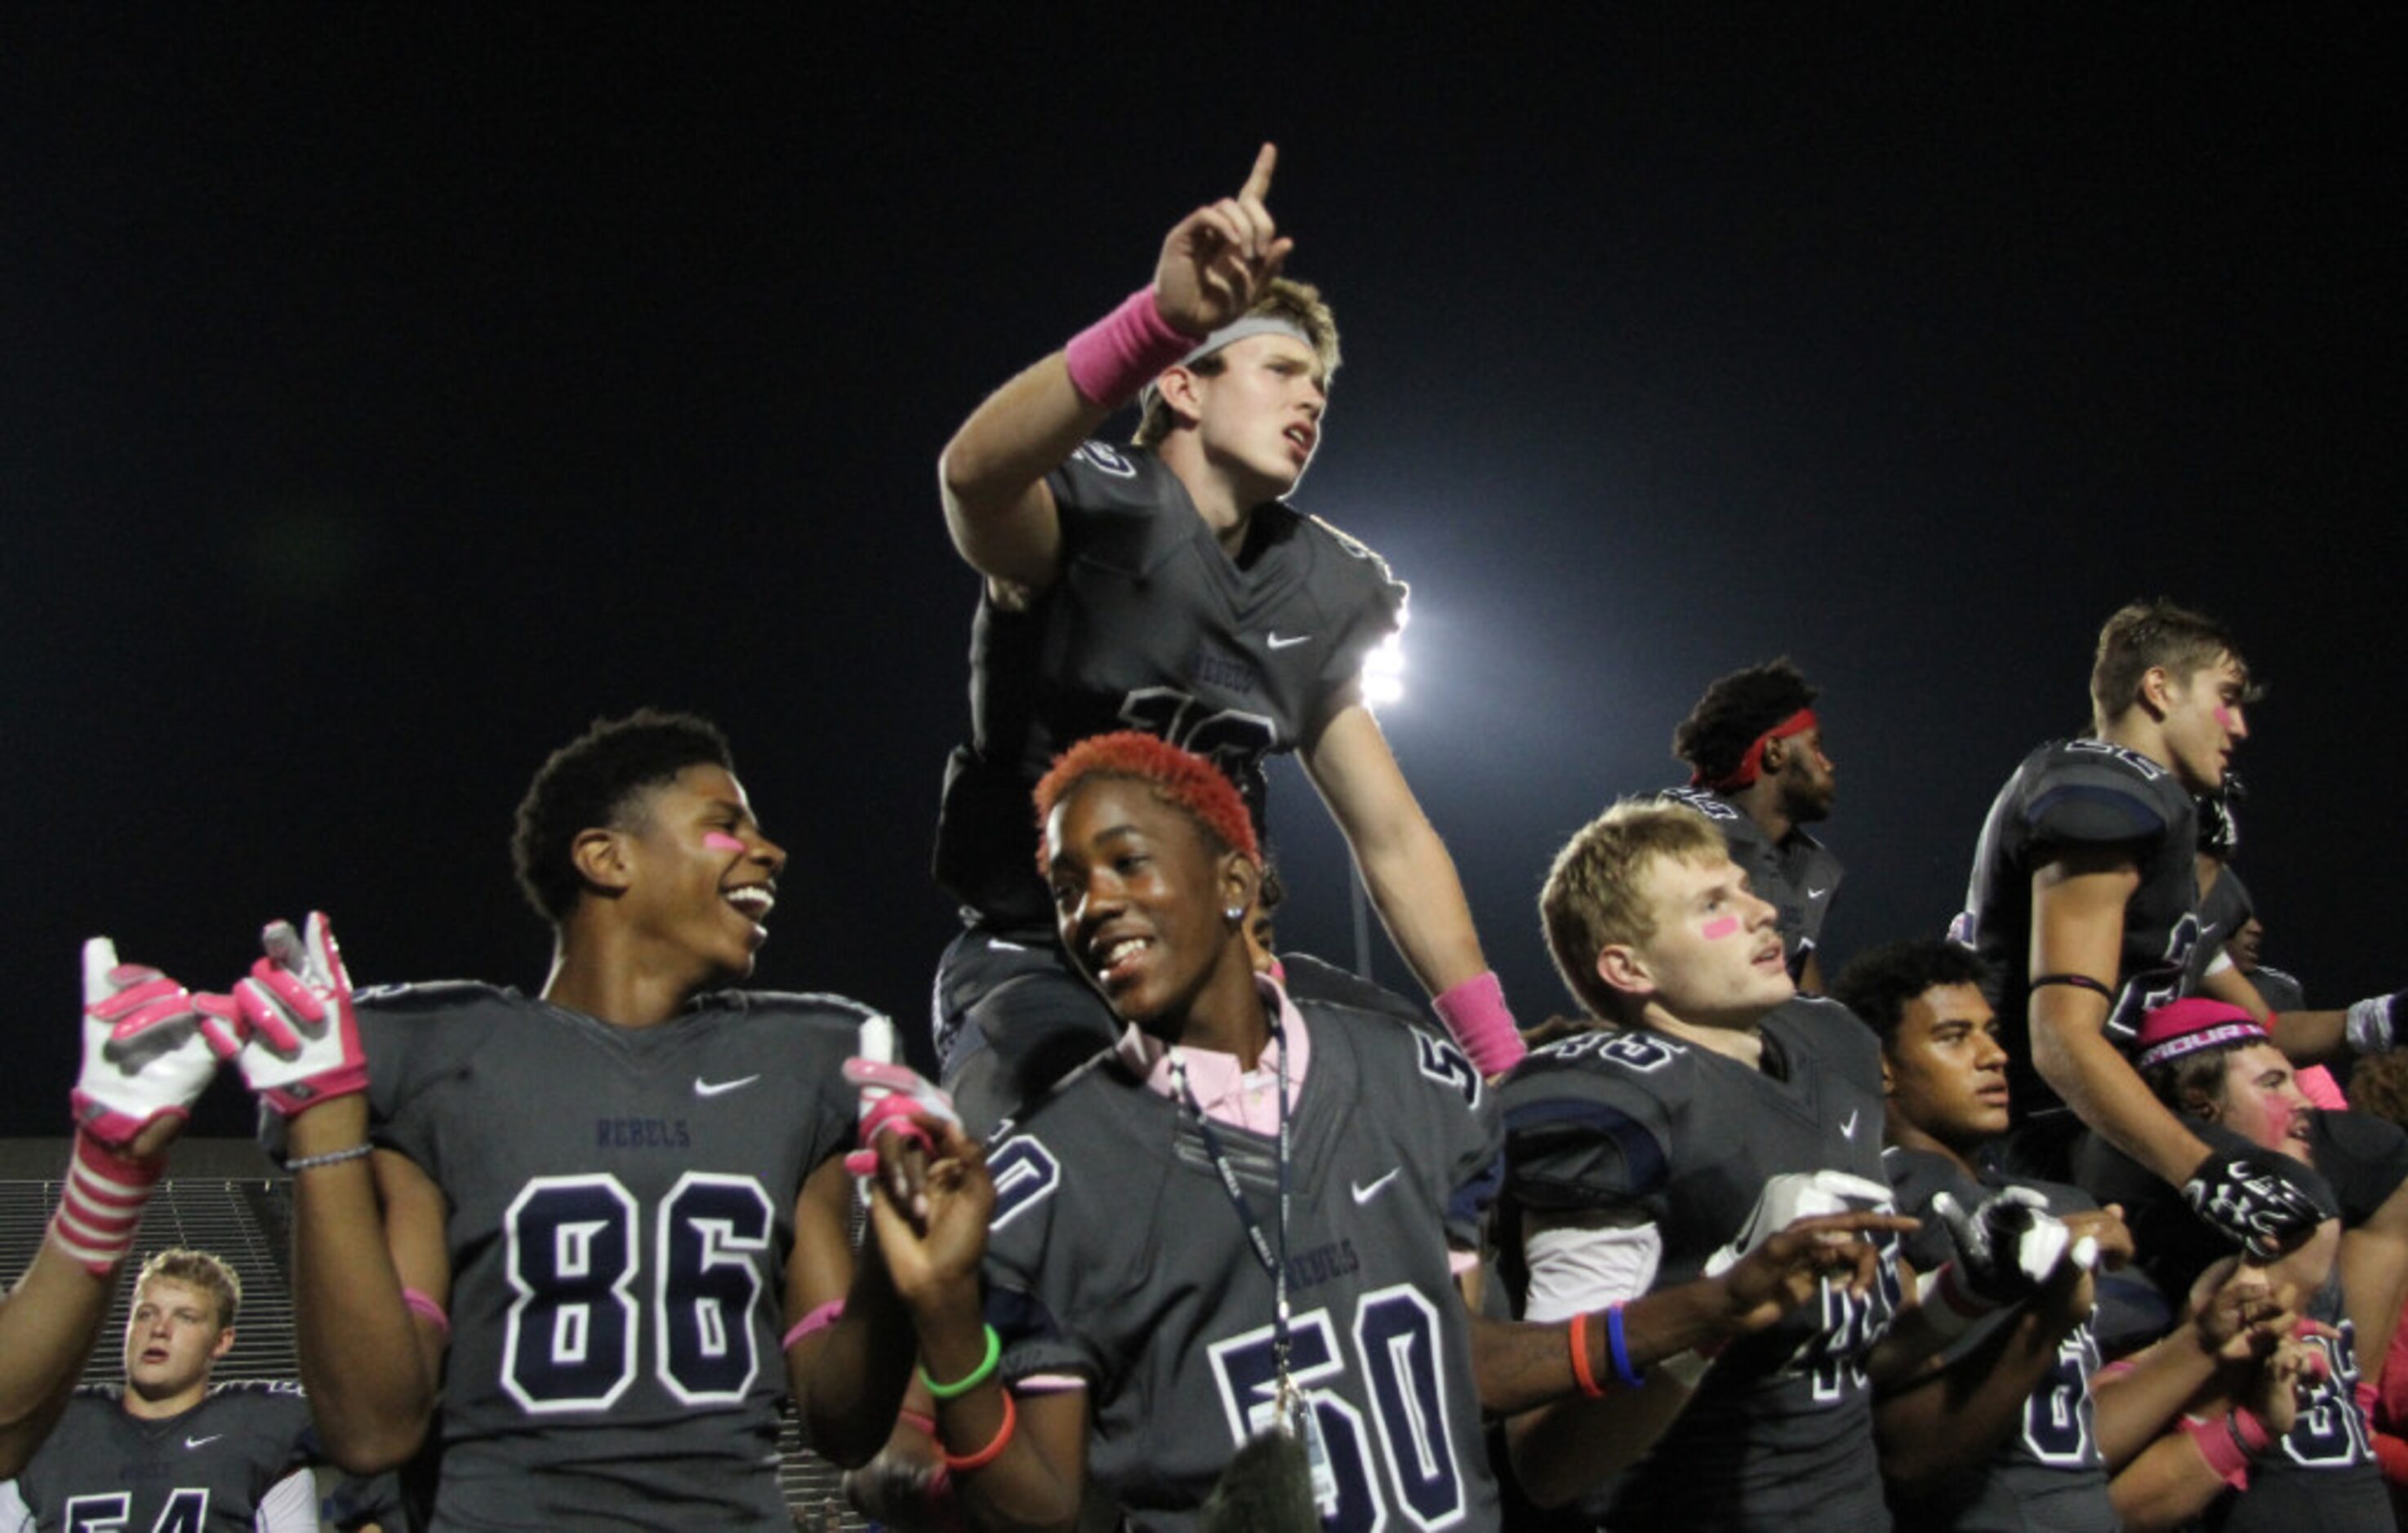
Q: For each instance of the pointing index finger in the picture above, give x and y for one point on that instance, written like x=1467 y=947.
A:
x=1258 y=181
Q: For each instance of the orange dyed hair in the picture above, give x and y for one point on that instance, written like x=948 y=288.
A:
x=1179 y=778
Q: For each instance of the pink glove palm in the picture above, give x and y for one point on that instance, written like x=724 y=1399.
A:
x=148 y=1050
x=304 y=1047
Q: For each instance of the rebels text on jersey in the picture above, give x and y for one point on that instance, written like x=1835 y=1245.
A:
x=621 y=1211
x=1150 y=625
x=2070 y=796
x=1115 y=1256
x=1635 y=1124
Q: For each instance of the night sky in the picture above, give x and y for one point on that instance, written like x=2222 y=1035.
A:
x=388 y=394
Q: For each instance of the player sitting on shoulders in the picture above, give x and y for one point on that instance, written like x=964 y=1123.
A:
x=169 y=1449
x=601 y=1231
x=1167 y=586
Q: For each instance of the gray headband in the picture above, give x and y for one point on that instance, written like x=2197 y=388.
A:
x=1229 y=334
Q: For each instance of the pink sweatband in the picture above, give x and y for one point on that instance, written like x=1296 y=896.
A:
x=425 y=1306
x=1474 y=1011
x=892 y=1112
x=1122 y=352
x=812 y=1323
x=2229 y=1443
x=917 y=1422
x=101 y=1206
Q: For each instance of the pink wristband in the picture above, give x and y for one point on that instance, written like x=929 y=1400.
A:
x=917 y=1422
x=101 y=1206
x=2229 y=1443
x=813 y=1323
x=424 y=1305
x=1474 y=1011
x=1122 y=352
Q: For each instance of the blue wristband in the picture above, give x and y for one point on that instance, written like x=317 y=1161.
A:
x=1620 y=1347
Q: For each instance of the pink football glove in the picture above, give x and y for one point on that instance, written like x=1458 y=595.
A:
x=892 y=1098
x=304 y=1044
x=148 y=1051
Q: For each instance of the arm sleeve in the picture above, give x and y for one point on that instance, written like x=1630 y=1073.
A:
x=290 y=1505
x=15 y=1516
x=1580 y=1265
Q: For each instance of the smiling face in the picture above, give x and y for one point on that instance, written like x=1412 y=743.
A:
x=171 y=1339
x=700 y=875
x=1946 y=1073
x=1142 y=897
x=1259 y=416
x=1714 y=958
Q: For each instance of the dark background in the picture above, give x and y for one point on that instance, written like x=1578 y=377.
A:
x=389 y=393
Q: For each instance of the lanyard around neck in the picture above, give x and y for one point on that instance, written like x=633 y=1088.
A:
x=1274 y=1262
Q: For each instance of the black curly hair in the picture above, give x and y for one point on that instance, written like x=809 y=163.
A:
x=589 y=782
x=1878 y=985
x=1735 y=710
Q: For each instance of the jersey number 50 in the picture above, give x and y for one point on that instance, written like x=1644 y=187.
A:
x=573 y=1259
x=1397 y=1338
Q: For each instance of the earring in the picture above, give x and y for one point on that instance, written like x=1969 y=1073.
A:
x=1235 y=913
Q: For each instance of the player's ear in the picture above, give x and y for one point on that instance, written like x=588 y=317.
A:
x=2157 y=691
x=1179 y=390
x=1775 y=751
x=1889 y=1078
x=224 y=1344
x=1620 y=965
x=600 y=857
x=1241 y=882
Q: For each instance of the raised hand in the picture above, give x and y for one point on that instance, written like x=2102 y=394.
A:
x=2009 y=1246
x=148 y=1051
x=1217 y=257
x=304 y=1044
x=2250 y=1198
x=932 y=1251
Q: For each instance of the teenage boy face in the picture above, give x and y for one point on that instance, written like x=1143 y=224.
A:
x=1944 y=1070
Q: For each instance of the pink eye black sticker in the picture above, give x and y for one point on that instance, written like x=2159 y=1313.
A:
x=1720 y=927
x=719 y=840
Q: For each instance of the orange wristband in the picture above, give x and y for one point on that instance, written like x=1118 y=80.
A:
x=1580 y=1374
x=964 y=1462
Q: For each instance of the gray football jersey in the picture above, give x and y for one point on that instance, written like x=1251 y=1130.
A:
x=1115 y=1254
x=1798 y=875
x=2070 y=794
x=1779 y=1434
x=621 y=1211
x=204 y=1471
x=2048 y=1476
x=2323 y=1473
x=2223 y=907
x=1149 y=625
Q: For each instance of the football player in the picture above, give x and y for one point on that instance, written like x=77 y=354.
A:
x=1757 y=770
x=2215 y=1064
x=2084 y=901
x=2016 y=1428
x=602 y=1229
x=1705 y=1104
x=1245 y=1217
x=148 y=1052
x=168 y=1449
x=1167 y=586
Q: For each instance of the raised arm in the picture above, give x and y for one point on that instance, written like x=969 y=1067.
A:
x=1412 y=880
x=992 y=474
x=148 y=1051
x=370 y=1267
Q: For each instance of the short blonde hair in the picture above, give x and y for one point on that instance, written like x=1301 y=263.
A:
x=1593 y=898
x=1300 y=305
x=197 y=1270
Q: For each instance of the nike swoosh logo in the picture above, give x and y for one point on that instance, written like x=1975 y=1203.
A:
x=1816 y=894
x=1364 y=1193
x=1848 y=1129
x=202 y=1442
x=721 y=1088
x=1282 y=642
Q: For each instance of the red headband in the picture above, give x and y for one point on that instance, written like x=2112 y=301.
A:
x=1751 y=765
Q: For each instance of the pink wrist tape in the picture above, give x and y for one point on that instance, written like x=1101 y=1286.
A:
x=101 y=1204
x=812 y=1323
x=425 y=1305
x=2227 y=1443
x=1474 y=1011
x=1120 y=353
x=917 y=1422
